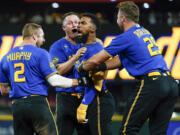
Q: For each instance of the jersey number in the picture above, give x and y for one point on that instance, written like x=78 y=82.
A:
x=19 y=72
x=150 y=46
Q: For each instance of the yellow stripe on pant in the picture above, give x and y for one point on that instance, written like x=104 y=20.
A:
x=98 y=117
x=132 y=106
x=52 y=116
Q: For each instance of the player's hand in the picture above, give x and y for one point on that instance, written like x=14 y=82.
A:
x=85 y=81
x=80 y=53
x=79 y=68
x=81 y=113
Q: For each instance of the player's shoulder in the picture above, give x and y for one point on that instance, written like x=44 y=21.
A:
x=95 y=47
x=36 y=49
x=42 y=51
x=126 y=36
x=99 y=45
x=121 y=37
x=11 y=51
x=58 y=44
x=4 y=58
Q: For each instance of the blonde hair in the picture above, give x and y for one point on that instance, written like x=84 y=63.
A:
x=68 y=14
x=130 y=10
x=30 y=29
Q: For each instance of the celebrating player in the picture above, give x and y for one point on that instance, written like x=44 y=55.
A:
x=156 y=91
x=25 y=70
x=97 y=104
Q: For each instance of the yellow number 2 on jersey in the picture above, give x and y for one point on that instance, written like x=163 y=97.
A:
x=150 y=46
x=19 y=72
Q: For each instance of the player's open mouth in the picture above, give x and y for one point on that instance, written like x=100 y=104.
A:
x=74 y=30
x=79 y=32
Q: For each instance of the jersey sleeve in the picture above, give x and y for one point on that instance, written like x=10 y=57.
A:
x=117 y=45
x=46 y=66
x=3 y=78
x=89 y=95
x=57 y=54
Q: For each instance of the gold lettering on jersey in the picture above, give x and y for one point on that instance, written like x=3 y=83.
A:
x=19 y=56
x=141 y=32
x=55 y=60
x=170 y=41
x=28 y=55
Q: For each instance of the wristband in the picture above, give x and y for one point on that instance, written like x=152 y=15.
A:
x=101 y=67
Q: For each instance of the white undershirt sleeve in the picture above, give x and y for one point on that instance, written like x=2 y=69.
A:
x=59 y=81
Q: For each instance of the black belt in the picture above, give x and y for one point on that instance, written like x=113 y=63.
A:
x=155 y=73
x=25 y=97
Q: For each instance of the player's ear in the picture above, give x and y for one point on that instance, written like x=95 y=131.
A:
x=63 y=27
x=92 y=28
x=34 y=37
x=124 y=18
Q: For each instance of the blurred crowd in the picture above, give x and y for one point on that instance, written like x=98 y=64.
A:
x=41 y=18
x=49 y=18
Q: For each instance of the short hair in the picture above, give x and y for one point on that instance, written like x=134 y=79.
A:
x=29 y=29
x=68 y=14
x=130 y=10
x=94 y=19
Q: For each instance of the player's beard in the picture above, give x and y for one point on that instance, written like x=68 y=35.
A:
x=81 y=39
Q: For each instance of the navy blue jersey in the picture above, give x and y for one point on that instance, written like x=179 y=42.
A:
x=90 y=92
x=138 y=51
x=25 y=69
x=61 y=51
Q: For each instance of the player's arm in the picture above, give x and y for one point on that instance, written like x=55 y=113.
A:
x=95 y=60
x=89 y=95
x=4 y=82
x=50 y=73
x=110 y=64
x=63 y=82
x=4 y=88
x=112 y=50
x=65 y=67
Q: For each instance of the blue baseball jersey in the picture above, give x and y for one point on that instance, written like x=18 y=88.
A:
x=138 y=51
x=61 y=51
x=89 y=92
x=26 y=69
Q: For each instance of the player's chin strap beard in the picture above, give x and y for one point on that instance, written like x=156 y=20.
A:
x=82 y=39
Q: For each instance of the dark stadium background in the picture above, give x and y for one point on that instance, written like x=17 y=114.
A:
x=159 y=19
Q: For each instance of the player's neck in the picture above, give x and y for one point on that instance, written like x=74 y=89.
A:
x=28 y=42
x=70 y=40
x=128 y=25
x=91 y=39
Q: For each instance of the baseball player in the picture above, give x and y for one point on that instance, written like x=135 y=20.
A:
x=156 y=91
x=25 y=70
x=97 y=105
